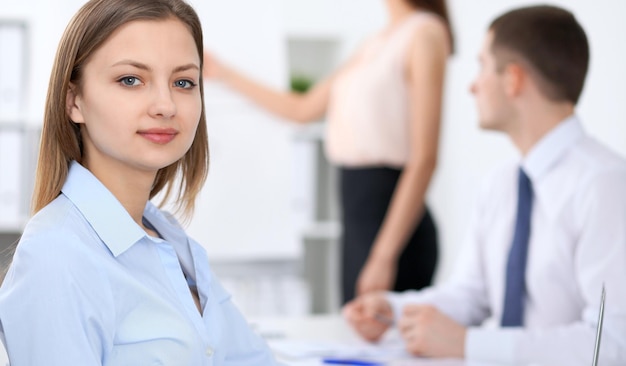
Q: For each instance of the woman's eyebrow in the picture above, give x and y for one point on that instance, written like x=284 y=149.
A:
x=142 y=66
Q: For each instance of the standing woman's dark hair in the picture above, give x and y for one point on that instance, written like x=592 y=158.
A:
x=440 y=8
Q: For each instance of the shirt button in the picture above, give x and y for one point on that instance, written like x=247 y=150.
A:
x=209 y=351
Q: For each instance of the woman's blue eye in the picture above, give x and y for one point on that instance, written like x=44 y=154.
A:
x=185 y=84
x=129 y=81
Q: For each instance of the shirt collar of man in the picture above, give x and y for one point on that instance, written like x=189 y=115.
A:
x=546 y=153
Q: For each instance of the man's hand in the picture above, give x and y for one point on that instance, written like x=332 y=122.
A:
x=370 y=315
x=428 y=332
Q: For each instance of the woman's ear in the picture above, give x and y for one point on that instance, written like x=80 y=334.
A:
x=73 y=104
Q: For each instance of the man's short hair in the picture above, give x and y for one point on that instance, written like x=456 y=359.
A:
x=550 y=40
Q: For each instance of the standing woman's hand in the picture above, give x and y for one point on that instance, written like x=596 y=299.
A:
x=212 y=67
x=378 y=274
x=307 y=107
x=369 y=315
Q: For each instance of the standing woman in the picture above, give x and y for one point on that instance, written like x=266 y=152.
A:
x=383 y=112
x=101 y=276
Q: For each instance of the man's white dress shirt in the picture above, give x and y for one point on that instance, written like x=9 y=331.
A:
x=577 y=244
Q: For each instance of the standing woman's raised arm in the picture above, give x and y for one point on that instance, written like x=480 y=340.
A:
x=307 y=107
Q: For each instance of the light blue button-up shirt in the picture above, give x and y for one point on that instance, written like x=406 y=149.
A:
x=88 y=286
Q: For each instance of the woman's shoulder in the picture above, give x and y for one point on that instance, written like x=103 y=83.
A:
x=424 y=21
x=58 y=230
x=429 y=30
x=427 y=18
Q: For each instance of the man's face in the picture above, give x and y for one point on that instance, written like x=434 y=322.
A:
x=494 y=109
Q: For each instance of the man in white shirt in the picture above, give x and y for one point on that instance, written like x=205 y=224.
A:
x=548 y=231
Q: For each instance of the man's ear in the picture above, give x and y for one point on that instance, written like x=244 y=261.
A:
x=515 y=79
x=73 y=103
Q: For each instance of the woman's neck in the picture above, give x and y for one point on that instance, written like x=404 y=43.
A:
x=130 y=186
x=398 y=10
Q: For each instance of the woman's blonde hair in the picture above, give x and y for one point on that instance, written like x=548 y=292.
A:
x=61 y=140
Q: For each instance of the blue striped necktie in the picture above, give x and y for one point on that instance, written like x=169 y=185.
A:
x=515 y=291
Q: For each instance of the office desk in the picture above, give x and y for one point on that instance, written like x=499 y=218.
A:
x=316 y=328
x=328 y=328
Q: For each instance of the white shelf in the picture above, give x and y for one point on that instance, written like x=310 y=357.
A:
x=322 y=230
x=13 y=226
x=12 y=124
x=310 y=132
x=314 y=35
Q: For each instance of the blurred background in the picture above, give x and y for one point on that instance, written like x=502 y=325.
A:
x=268 y=215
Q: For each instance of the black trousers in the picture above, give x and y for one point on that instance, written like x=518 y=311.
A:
x=365 y=197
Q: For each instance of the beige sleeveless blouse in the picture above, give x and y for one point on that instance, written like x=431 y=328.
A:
x=369 y=114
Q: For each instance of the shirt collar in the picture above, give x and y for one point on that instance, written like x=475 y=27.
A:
x=106 y=215
x=547 y=152
x=171 y=231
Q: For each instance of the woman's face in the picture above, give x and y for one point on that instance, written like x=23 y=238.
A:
x=139 y=100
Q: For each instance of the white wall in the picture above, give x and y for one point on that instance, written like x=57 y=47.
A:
x=46 y=21
x=245 y=209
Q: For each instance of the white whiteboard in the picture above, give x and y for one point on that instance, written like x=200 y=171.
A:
x=245 y=210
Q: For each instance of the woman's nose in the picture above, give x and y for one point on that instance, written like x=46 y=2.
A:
x=163 y=105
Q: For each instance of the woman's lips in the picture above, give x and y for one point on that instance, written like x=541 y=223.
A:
x=159 y=135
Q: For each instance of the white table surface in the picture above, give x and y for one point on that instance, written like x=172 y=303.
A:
x=328 y=328
x=315 y=328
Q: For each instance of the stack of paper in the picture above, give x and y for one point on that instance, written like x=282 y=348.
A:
x=298 y=349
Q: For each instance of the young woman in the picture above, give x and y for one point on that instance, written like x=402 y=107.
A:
x=102 y=276
x=383 y=114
